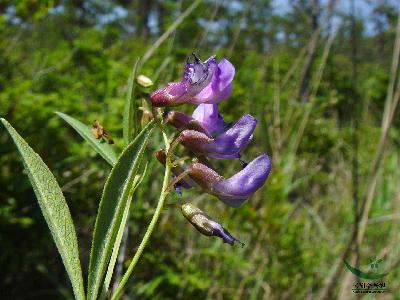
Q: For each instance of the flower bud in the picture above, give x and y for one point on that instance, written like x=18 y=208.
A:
x=205 y=225
x=161 y=156
x=144 y=81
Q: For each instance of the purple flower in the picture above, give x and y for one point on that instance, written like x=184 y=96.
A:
x=236 y=189
x=215 y=79
x=227 y=145
x=204 y=224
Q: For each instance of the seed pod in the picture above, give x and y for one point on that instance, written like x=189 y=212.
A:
x=205 y=225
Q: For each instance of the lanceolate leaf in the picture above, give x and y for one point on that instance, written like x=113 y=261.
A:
x=138 y=179
x=112 y=205
x=54 y=208
x=103 y=149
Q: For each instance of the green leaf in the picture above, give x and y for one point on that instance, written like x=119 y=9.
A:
x=111 y=209
x=129 y=118
x=136 y=182
x=54 y=208
x=103 y=149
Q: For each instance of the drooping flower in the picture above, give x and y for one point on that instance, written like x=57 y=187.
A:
x=227 y=145
x=236 y=189
x=204 y=224
x=215 y=79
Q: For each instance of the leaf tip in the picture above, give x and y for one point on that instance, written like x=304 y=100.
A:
x=5 y=123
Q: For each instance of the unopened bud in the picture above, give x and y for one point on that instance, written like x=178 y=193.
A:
x=161 y=156
x=147 y=116
x=144 y=81
x=205 y=225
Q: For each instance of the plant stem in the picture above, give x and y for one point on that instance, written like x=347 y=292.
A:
x=150 y=229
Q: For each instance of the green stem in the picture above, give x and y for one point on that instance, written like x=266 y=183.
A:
x=150 y=229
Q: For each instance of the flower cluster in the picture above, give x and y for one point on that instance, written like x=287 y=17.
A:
x=205 y=134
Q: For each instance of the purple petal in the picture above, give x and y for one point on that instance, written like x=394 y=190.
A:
x=178 y=186
x=234 y=140
x=196 y=77
x=208 y=116
x=236 y=189
x=220 y=88
x=185 y=182
x=224 y=234
x=227 y=145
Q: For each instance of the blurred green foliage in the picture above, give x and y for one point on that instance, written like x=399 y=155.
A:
x=76 y=56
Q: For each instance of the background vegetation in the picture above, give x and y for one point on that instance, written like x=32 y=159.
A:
x=320 y=76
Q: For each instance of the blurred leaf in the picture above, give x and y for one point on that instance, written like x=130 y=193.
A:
x=149 y=287
x=103 y=149
x=54 y=208
x=113 y=203
x=130 y=108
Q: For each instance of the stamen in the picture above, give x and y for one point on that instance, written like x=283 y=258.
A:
x=196 y=58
